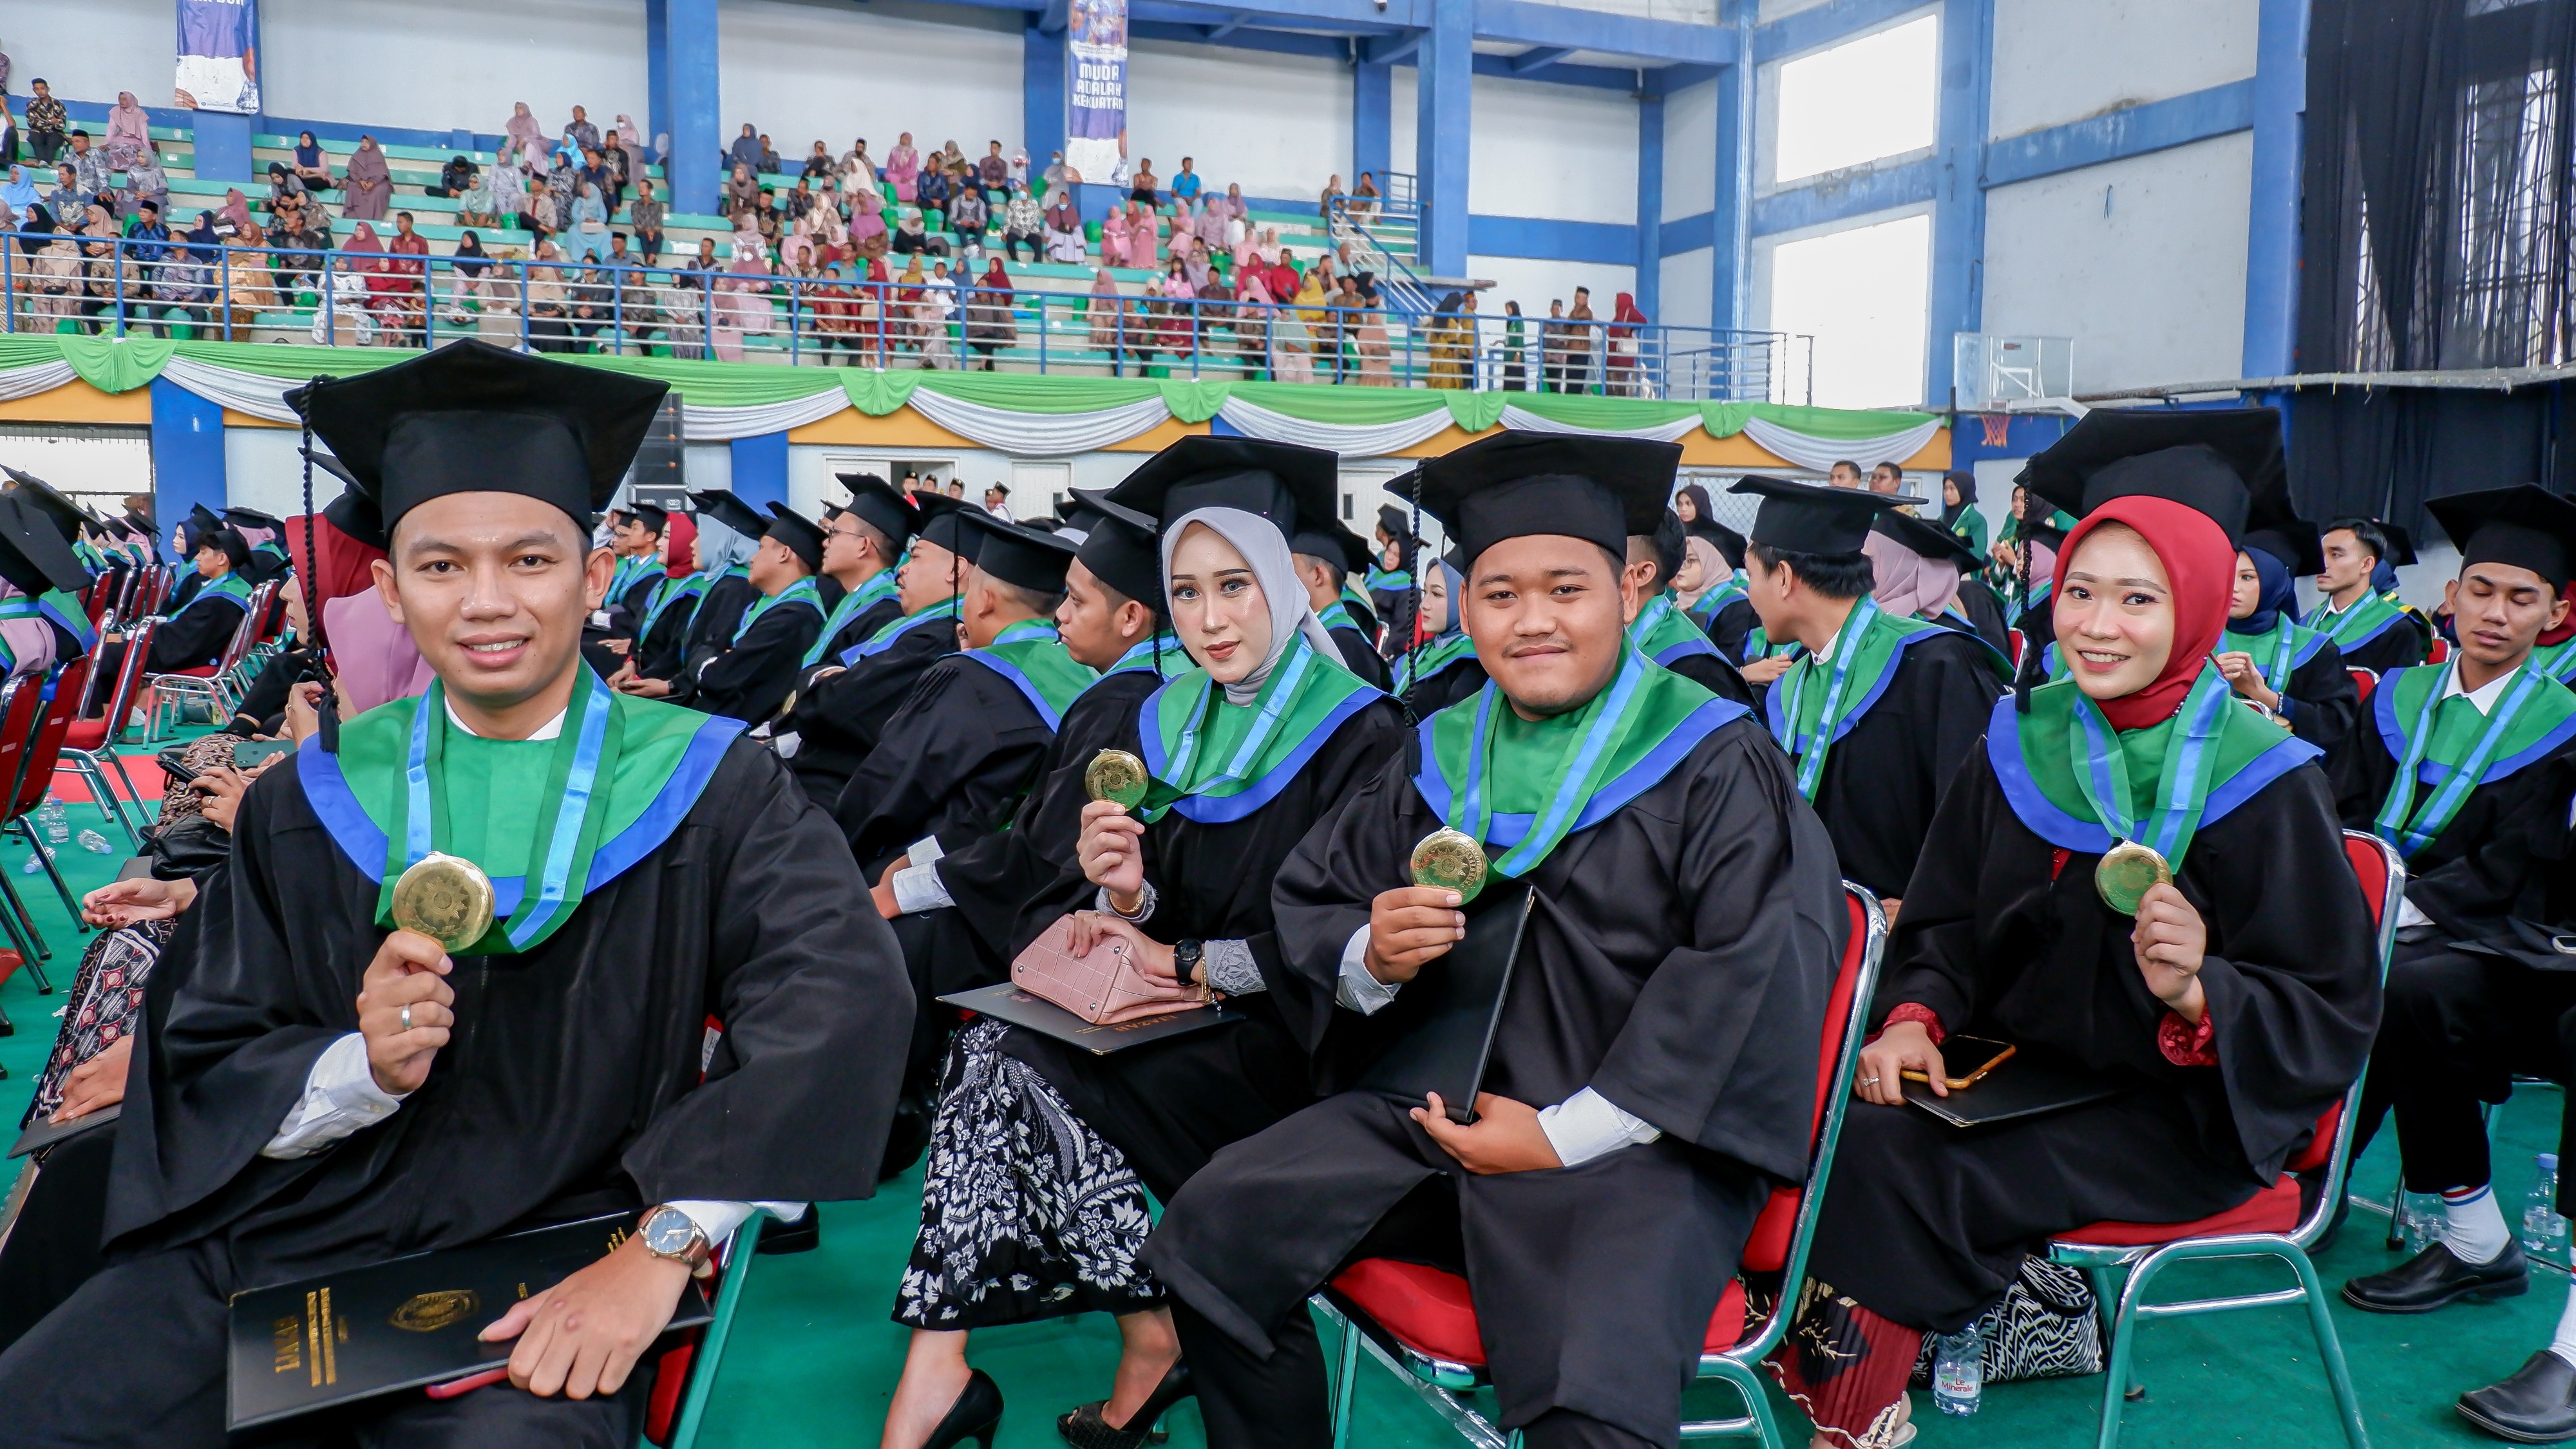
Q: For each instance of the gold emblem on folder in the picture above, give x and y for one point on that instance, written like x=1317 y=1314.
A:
x=2127 y=872
x=446 y=898
x=1452 y=860
x=1116 y=775
x=430 y=1312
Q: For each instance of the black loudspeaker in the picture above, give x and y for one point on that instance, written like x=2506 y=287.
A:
x=661 y=472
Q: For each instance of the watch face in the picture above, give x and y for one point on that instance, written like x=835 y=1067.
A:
x=668 y=1231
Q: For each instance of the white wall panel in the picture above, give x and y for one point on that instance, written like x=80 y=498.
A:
x=89 y=50
x=1686 y=280
x=1191 y=100
x=263 y=471
x=1564 y=152
x=2141 y=261
x=2063 y=60
x=833 y=72
x=1402 y=97
x=458 y=63
x=1690 y=151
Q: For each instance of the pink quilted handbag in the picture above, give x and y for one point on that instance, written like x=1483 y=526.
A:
x=1104 y=987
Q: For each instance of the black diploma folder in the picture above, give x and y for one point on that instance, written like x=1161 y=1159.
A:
x=2030 y=1084
x=1452 y=1009
x=406 y=1323
x=41 y=1133
x=1008 y=1003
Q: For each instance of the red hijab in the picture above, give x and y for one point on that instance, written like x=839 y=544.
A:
x=682 y=536
x=343 y=571
x=2200 y=564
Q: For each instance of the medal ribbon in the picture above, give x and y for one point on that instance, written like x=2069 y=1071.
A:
x=2182 y=789
x=1812 y=749
x=2430 y=819
x=1578 y=776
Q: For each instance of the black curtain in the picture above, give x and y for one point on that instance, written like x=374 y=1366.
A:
x=2380 y=452
x=2436 y=200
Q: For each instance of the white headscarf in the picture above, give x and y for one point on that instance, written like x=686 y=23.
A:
x=1265 y=551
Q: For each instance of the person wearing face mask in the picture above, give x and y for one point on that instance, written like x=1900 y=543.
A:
x=2271 y=659
x=1262 y=737
x=1653 y=1066
x=2231 y=1009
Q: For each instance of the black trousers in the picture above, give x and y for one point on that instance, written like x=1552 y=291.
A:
x=135 y=1359
x=53 y=1246
x=2456 y=1029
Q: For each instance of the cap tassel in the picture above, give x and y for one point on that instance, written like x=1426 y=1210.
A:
x=329 y=707
x=1413 y=597
x=2021 y=676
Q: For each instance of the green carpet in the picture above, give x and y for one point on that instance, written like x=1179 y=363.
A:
x=814 y=1354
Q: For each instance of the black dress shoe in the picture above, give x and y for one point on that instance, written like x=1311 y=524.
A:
x=1084 y=1428
x=2434 y=1278
x=2536 y=1406
x=976 y=1414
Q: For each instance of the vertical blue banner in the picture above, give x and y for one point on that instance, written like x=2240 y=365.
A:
x=219 y=56
x=1095 y=130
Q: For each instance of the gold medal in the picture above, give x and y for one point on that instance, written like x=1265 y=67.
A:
x=1116 y=775
x=1450 y=860
x=446 y=898
x=2127 y=872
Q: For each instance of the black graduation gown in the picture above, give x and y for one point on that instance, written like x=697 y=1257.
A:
x=1716 y=675
x=1986 y=612
x=2005 y=937
x=862 y=627
x=1361 y=656
x=951 y=762
x=719 y=613
x=1678 y=961
x=193 y=637
x=190 y=581
x=1884 y=778
x=2401 y=645
x=2324 y=702
x=836 y=718
x=750 y=679
x=573 y=1085
x=2038 y=630
x=1461 y=680
x=1728 y=629
x=661 y=652
x=627 y=609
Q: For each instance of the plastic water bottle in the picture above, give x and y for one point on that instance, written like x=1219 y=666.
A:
x=95 y=843
x=2544 y=1232
x=2420 y=1220
x=56 y=821
x=1959 y=1371
x=36 y=862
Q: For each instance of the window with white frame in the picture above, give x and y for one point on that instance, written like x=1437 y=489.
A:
x=1850 y=104
x=1864 y=294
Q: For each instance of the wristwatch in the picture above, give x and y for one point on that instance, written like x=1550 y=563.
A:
x=670 y=1233
x=1188 y=958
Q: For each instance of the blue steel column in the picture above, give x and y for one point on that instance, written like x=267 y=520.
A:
x=657 y=75
x=1650 y=205
x=1372 y=120
x=1731 y=219
x=1444 y=109
x=1042 y=83
x=1959 y=200
x=2272 y=232
x=187 y=454
x=681 y=62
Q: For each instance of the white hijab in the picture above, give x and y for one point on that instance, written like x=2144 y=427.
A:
x=1265 y=551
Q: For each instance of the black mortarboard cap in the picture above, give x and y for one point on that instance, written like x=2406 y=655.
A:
x=51 y=505
x=2292 y=541
x=1397 y=522
x=33 y=555
x=2225 y=463
x=1812 y=518
x=234 y=546
x=942 y=522
x=2526 y=526
x=1928 y=539
x=1280 y=481
x=1121 y=551
x=1517 y=484
x=651 y=515
x=353 y=512
x=1328 y=540
x=143 y=520
x=728 y=509
x=801 y=535
x=1080 y=514
x=469 y=417
x=1728 y=542
x=1024 y=556
x=880 y=506
x=2401 y=544
x=252 y=518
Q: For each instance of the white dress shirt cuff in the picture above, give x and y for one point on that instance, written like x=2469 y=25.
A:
x=1586 y=1125
x=925 y=851
x=2409 y=915
x=1357 y=988
x=719 y=1219
x=919 y=888
x=340 y=1097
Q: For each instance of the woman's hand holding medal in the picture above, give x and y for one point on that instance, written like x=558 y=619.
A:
x=1112 y=852
x=2171 y=940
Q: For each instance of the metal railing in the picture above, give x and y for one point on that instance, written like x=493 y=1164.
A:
x=123 y=287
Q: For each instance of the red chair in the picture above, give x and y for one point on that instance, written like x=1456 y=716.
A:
x=35 y=778
x=2266 y=1226
x=2363 y=680
x=1421 y=1322
x=22 y=703
x=215 y=683
x=2440 y=653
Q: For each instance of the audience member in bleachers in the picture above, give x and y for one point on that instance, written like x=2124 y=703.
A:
x=589 y=233
x=1363 y=200
x=629 y=141
x=1022 y=223
x=311 y=166
x=741 y=192
x=245 y=286
x=46 y=123
x=523 y=137
x=1142 y=187
x=1185 y=184
x=1063 y=224
x=129 y=131
x=769 y=165
x=993 y=172
x=455 y=177
x=1332 y=188
x=580 y=132
x=8 y=131
x=282 y=183
x=369 y=193
x=91 y=175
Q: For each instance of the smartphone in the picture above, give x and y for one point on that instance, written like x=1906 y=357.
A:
x=252 y=752
x=168 y=760
x=1988 y=1054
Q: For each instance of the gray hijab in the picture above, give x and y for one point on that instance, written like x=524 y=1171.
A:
x=1265 y=551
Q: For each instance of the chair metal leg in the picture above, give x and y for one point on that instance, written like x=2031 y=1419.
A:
x=702 y=1367
x=18 y=908
x=1746 y=1380
x=2329 y=1348
x=2122 y=1337
x=1345 y=1382
x=70 y=905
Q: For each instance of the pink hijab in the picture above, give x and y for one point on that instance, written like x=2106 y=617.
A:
x=373 y=656
x=127 y=122
x=31 y=642
x=1908 y=583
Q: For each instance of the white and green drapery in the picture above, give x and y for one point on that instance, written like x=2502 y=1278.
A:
x=1024 y=413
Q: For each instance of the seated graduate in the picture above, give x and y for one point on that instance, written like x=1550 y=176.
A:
x=41 y=622
x=1875 y=709
x=729 y=533
x=196 y=633
x=1661 y=631
x=847 y=698
x=2231 y=1011
x=1654 y=1061
x=187 y=537
x=313 y=1093
x=59 y=604
x=1033 y=1198
x=1923 y=570
x=265 y=534
x=662 y=633
x=863 y=540
x=2479 y=990
x=2295 y=673
x=750 y=678
x=1389 y=581
x=1441 y=669
x=635 y=537
x=1327 y=554
x=1710 y=586
x=2360 y=611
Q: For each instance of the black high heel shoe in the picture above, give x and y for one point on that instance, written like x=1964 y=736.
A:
x=976 y=1414
x=1084 y=1428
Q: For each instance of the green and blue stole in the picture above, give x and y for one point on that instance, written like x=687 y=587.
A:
x=2073 y=787
x=615 y=783
x=231 y=586
x=1161 y=654
x=1807 y=714
x=2368 y=618
x=2446 y=745
x=1429 y=659
x=89 y=556
x=804 y=592
x=738 y=571
x=1664 y=634
x=1389 y=581
x=1758 y=645
x=1216 y=762
x=1367 y=610
x=1032 y=658
x=1337 y=615
x=943 y=612
x=1705 y=609
x=1522 y=786
x=60 y=608
x=669 y=593
x=630 y=567
x=879 y=587
x=2279 y=654
x=2558 y=660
